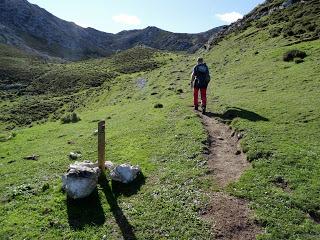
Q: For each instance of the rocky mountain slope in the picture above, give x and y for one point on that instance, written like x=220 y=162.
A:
x=32 y=28
x=296 y=20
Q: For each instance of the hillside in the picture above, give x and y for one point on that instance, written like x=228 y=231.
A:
x=295 y=20
x=33 y=29
x=273 y=103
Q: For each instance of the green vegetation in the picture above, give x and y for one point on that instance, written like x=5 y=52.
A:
x=298 y=22
x=276 y=104
x=144 y=96
x=292 y=54
x=70 y=118
x=165 y=142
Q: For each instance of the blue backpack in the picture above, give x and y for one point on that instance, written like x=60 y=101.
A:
x=201 y=71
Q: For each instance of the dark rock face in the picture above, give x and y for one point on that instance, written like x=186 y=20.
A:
x=32 y=28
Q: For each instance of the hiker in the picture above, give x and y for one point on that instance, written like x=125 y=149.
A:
x=200 y=79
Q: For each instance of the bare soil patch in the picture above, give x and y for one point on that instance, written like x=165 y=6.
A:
x=232 y=218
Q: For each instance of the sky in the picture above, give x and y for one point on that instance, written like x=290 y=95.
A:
x=173 y=15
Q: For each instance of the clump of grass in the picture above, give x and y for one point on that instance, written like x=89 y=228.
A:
x=275 y=32
x=158 y=105
x=4 y=137
x=292 y=54
x=27 y=111
x=135 y=60
x=70 y=118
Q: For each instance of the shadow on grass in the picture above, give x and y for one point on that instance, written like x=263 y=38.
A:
x=236 y=112
x=85 y=212
x=111 y=194
x=89 y=211
x=130 y=189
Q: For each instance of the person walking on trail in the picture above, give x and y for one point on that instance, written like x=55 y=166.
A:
x=200 y=79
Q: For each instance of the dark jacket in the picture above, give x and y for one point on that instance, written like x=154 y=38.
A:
x=202 y=76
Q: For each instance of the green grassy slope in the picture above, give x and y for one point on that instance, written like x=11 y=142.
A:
x=34 y=90
x=276 y=103
x=165 y=142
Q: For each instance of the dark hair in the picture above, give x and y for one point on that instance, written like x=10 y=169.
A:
x=200 y=60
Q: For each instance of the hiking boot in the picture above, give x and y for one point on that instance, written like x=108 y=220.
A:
x=196 y=108
x=203 y=109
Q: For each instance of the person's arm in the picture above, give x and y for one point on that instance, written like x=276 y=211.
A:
x=193 y=76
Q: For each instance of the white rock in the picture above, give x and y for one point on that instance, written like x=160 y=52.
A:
x=74 y=155
x=125 y=173
x=83 y=164
x=109 y=165
x=81 y=179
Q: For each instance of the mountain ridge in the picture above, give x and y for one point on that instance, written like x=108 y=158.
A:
x=32 y=28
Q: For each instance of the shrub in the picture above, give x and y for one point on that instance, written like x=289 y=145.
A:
x=292 y=54
x=262 y=23
x=287 y=32
x=275 y=32
x=70 y=118
x=158 y=105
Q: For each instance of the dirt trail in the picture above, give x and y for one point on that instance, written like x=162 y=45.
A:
x=231 y=216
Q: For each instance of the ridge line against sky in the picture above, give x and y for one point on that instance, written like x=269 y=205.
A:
x=172 y=15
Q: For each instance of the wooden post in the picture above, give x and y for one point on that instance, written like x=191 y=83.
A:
x=101 y=145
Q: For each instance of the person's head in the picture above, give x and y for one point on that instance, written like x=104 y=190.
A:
x=200 y=60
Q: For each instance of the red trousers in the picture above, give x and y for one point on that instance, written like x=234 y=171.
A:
x=203 y=92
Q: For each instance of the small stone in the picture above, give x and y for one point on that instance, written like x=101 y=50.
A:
x=32 y=157
x=95 y=132
x=104 y=237
x=71 y=142
x=220 y=138
x=240 y=136
x=74 y=155
x=125 y=173
x=238 y=152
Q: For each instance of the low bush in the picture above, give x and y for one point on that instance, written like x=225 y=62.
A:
x=292 y=54
x=70 y=118
x=275 y=32
x=158 y=105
